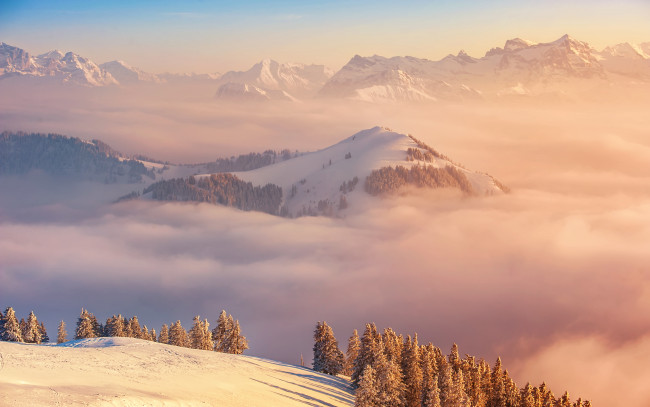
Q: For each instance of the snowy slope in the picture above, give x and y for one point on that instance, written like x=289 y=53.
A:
x=318 y=176
x=134 y=372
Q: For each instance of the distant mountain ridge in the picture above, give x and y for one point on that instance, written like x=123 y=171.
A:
x=520 y=67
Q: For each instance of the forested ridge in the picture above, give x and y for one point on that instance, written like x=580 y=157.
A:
x=56 y=154
x=389 y=370
x=222 y=189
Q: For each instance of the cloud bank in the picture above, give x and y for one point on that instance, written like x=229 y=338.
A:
x=552 y=277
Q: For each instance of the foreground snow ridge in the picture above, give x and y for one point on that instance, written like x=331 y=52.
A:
x=134 y=372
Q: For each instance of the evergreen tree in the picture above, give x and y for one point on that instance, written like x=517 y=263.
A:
x=177 y=335
x=32 y=330
x=198 y=335
x=497 y=397
x=526 y=397
x=23 y=328
x=62 y=334
x=371 y=347
x=10 y=327
x=366 y=394
x=44 y=337
x=152 y=335
x=135 y=329
x=354 y=346
x=429 y=377
x=145 y=333
x=164 y=334
x=390 y=387
x=85 y=326
x=222 y=332
x=511 y=391
x=564 y=401
x=412 y=373
x=238 y=342
x=432 y=395
x=393 y=345
x=115 y=326
x=327 y=356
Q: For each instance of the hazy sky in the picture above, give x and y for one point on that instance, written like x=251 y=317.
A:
x=211 y=36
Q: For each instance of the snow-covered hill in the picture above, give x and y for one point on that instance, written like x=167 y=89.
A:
x=134 y=372
x=273 y=80
x=316 y=182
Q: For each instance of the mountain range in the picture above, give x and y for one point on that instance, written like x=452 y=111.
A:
x=520 y=67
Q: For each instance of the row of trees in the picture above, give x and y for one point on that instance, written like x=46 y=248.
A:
x=226 y=337
x=30 y=331
x=390 y=370
x=223 y=189
x=250 y=161
x=389 y=179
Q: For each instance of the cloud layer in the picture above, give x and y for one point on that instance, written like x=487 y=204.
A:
x=552 y=277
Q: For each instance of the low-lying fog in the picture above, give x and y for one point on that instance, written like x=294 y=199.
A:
x=553 y=277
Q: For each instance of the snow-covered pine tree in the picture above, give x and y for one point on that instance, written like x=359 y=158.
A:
x=457 y=396
x=135 y=329
x=454 y=358
x=177 y=335
x=446 y=384
x=62 y=334
x=366 y=393
x=44 y=337
x=238 y=342
x=564 y=401
x=221 y=332
x=429 y=370
x=547 y=399
x=354 y=346
x=163 y=337
x=85 y=328
x=327 y=356
x=32 y=330
x=497 y=396
x=412 y=371
x=393 y=345
x=152 y=335
x=145 y=333
x=196 y=333
x=115 y=326
x=511 y=390
x=431 y=396
x=526 y=397
x=10 y=327
x=390 y=387
x=23 y=328
x=371 y=347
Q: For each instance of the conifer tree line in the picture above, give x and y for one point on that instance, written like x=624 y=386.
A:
x=226 y=337
x=30 y=331
x=389 y=370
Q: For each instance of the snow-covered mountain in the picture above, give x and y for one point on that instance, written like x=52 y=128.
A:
x=274 y=80
x=521 y=67
x=246 y=92
x=135 y=372
x=320 y=181
x=128 y=75
x=627 y=59
x=65 y=68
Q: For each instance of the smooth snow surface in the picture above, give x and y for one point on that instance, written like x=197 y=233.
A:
x=134 y=372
